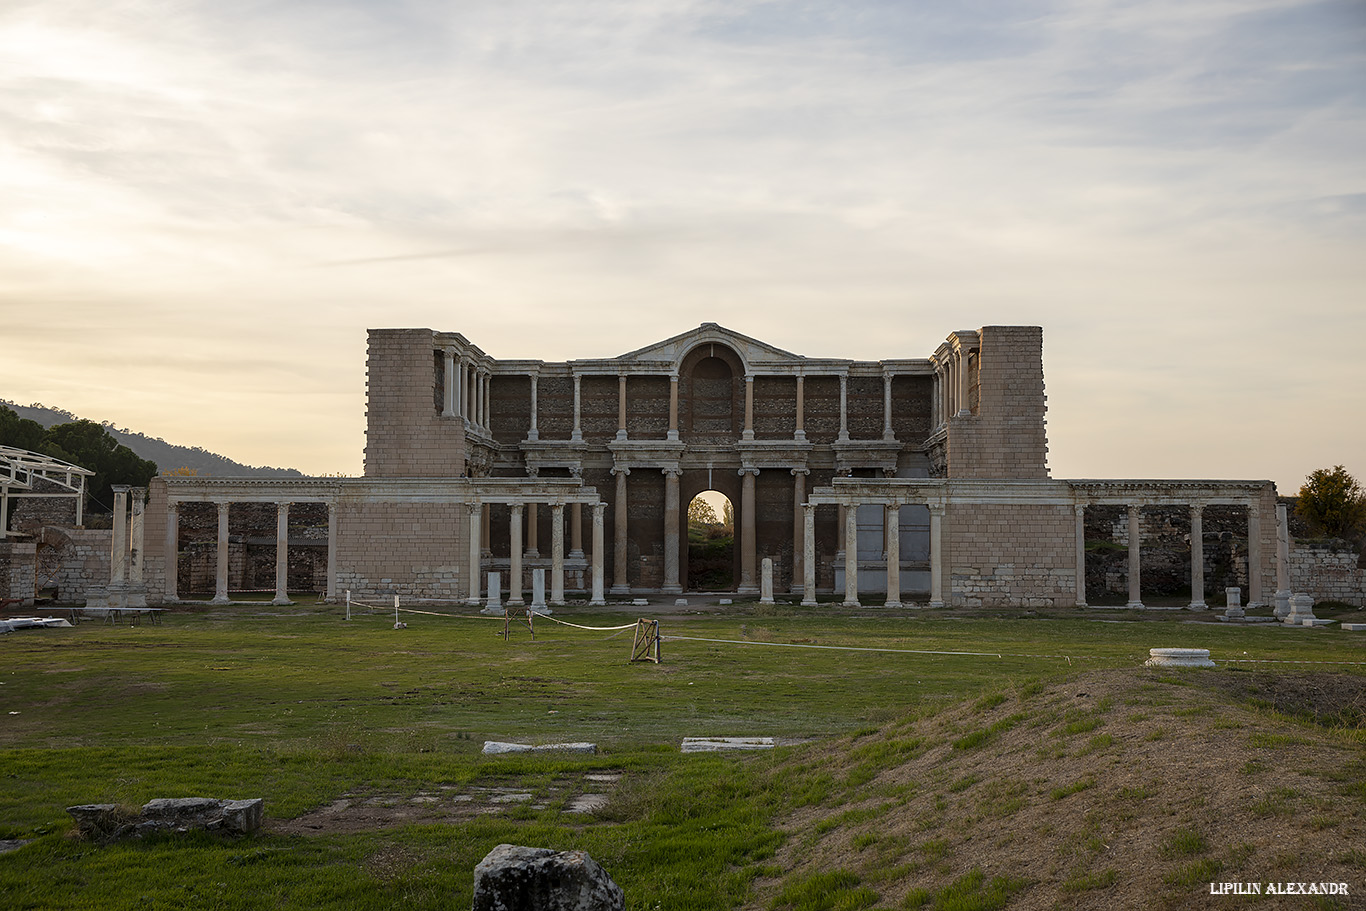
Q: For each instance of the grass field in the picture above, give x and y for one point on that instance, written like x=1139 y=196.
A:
x=365 y=742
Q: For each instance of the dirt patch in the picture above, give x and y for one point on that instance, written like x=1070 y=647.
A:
x=578 y=796
x=1133 y=788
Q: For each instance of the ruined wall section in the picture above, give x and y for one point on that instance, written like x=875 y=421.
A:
x=409 y=549
x=1006 y=436
x=1016 y=555
x=1327 y=571
x=405 y=434
x=17 y=571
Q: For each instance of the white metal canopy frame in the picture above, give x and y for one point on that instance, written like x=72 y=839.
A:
x=20 y=468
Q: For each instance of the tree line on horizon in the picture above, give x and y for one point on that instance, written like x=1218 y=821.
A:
x=84 y=443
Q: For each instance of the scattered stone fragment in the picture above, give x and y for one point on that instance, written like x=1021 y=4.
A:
x=492 y=747
x=108 y=822
x=713 y=744
x=12 y=844
x=1179 y=657
x=1355 y=627
x=680 y=602
x=517 y=878
x=640 y=602
x=725 y=601
x=587 y=803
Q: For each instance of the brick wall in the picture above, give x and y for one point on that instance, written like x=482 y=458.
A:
x=405 y=435
x=410 y=549
x=1023 y=556
x=16 y=571
x=1328 y=572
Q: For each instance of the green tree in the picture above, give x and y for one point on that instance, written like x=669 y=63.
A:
x=701 y=513
x=90 y=445
x=21 y=433
x=1332 y=502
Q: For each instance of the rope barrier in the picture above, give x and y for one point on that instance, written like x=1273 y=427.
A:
x=603 y=629
x=901 y=651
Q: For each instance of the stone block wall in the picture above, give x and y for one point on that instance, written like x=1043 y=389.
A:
x=411 y=549
x=405 y=435
x=1006 y=438
x=1327 y=571
x=86 y=563
x=16 y=571
x=1019 y=555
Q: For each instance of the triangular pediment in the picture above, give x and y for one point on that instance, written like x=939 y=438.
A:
x=751 y=350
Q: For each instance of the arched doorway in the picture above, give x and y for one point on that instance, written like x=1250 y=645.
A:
x=711 y=543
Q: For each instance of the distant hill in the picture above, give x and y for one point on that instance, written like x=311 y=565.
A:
x=168 y=456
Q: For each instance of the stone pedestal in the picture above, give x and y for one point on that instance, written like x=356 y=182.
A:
x=1179 y=657
x=1233 y=598
x=1301 y=610
x=538 y=591
x=766 y=581
x=494 y=605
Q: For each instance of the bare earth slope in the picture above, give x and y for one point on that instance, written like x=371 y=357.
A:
x=1118 y=789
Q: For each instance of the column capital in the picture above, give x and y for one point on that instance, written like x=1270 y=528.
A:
x=598 y=509
x=533 y=471
x=1197 y=506
x=120 y=488
x=576 y=471
x=936 y=509
x=802 y=471
x=283 y=504
x=744 y=471
x=809 y=508
x=450 y=351
x=1079 y=509
x=619 y=469
x=221 y=504
x=672 y=472
x=749 y=377
x=474 y=508
x=557 y=507
x=516 y=508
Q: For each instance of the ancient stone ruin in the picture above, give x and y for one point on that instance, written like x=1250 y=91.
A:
x=516 y=878
x=108 y=822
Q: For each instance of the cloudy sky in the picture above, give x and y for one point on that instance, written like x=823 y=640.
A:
x=204 y=205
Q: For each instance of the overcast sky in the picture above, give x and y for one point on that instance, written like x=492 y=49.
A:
x=204 y=205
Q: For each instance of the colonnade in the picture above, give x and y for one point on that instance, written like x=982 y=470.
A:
x=952 y=364
x=523 y=545
x=126 y=584
x=467 y=390
x=891 y=527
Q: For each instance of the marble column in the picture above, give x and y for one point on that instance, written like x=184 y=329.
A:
x=808 y=554
x=1255 y=597
x=749 y=583
x=1198 y=557
x=621 y=407
x=557 y=553
x=887 y=434
x=798 y=551
x=576 y=531
x=673 y=406
x=596 y=599
x=851 y=555
x=135 y=534
x=476 y=512
x=118 y=550
x=748 y=433
x=1135 y=556
x=1282 y=561
x=892 y=528
x=281 y=554
x=331 y=552
x=533 y=524
x=468 y=392
x=1080 y=510
x=844 y=407
x=533 y=433
x=576 y=435
x=671 y=537
x=964 y=408
x=458 y=394
x=936 y=555
x=800 y=434
x=171 y=592
x=621 y=584
x=515 y=555
x=220 y=592
x=448 y=398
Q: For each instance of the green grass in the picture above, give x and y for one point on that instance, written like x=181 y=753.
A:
x=302 y=708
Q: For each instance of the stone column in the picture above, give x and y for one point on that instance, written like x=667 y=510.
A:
x=766 y=581
x=621 y=584
x=281 y=554
x=851 y=555
x=533 y=433
x=1135 y=555
x=220 y=593
x=800 y=434
x=596 y=599
x=533 y=523
x=963 y=406
x=332 y=552
x=673 y=406
x=808 y=554
x=576 y=531
x=576 y=435
x=892 y=528
x=844 y=407
x=488 y=399
x=936 y=555
x=748 y=564
x=457 y=393
x=936 y=404
x=748 y=433
x=671 y=523
x=476 y=511
x=557 y=553
x=1198 y=557
x=1254 y=556
x=485 y=532
x=118 y=550
x=135 y=537
x=448 y=399
x=887 y=408
x=467 y=370
x=171 y=592
x=621 y=408
x=515 y=554
x=1282 y=562
x=798 y=551
x=1080 y=510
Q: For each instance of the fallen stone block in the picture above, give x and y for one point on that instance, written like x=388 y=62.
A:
x=1178 y=657
x=106 y=822
x=494 y=747
x=1355 y=627
x=103 y=821
x=518 y=878
x=715 y=744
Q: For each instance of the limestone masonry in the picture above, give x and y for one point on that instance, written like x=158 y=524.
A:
x=921 y=481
